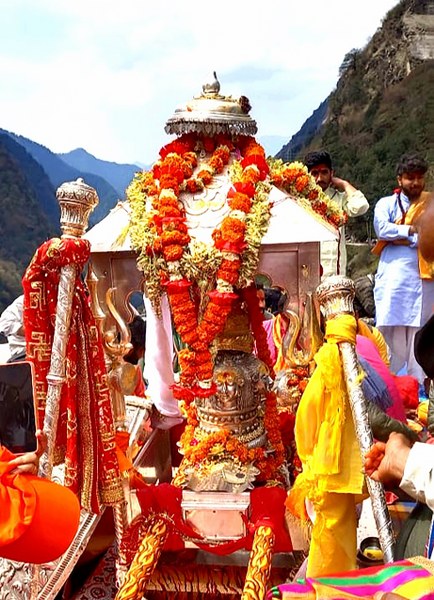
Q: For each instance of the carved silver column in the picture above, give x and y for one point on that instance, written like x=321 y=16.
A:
x=335 y=296
x=76 y=200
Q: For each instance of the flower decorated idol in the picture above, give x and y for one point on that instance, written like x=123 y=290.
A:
x=197 y=221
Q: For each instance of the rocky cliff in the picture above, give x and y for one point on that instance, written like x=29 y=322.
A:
x=382 y=106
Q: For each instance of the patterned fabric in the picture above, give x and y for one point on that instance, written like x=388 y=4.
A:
x=412 y=579
x=85 y=434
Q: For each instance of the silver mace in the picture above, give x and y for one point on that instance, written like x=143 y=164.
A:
x=336 y=295
x=76 y=200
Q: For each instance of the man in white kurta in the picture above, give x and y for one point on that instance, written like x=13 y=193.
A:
x=403 y=300
x=347 y=197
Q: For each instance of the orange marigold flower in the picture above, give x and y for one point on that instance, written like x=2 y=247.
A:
x=174 y=252
x=170 y=238
x=170 y=211
x=190 y=158
x=301 y=183
x=230 y=265
x=204 y=371
x=240 y=202
x=232 y=224
x=169 y=182
x=228 y=276
x=190 y=337
x=187 y=170
x=216 y=235
x=216 y=163
x=251 y=175
x=194 y=185
x=205 y=176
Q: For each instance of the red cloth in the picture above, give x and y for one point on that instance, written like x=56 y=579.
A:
x=408 y=387
x=267 y=507
x=85 y=431
x=140 y=389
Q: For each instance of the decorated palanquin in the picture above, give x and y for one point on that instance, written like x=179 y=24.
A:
x=211 y=214
x=197 y=229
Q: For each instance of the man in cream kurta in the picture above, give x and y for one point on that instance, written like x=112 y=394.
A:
x=348 y=198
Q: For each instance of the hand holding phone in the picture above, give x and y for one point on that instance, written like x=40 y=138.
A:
x=29 y=461
x=17 y=408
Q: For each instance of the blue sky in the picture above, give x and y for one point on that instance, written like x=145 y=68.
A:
x=106 y=75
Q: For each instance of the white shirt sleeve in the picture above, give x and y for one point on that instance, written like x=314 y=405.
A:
x=11 y=319
x=158 y=368
x=356 y=204
x=418 y=478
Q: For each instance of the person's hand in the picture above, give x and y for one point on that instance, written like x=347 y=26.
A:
x=386 y=462
x=412 y=230
x=29 y=462
x=341 y=185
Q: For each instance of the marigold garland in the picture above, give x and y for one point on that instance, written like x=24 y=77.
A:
x=160 y=234
x=166 y=243
x=199 y=448
x=295 y=179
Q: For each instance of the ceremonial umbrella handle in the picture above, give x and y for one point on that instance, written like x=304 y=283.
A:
x=335 y=296
x=76 y=200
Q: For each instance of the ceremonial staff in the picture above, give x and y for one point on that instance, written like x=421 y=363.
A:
x=76 y=200
x=336 y=295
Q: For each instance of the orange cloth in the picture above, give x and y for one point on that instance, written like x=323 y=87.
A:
x=38 y=518
x=414 y=213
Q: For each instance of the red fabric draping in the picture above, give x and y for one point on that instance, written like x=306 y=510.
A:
x=267 y=506
x=85 y=434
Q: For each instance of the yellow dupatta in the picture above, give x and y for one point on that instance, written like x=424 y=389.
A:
x=324 y=431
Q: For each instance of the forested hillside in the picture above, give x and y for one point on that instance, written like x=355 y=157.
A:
x=24 y=224
x=382 y=107
x=58 y=172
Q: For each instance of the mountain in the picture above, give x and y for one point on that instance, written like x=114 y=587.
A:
x=58 y=172
x=309 y=129
x=117 y=175
x=382 y=106
x=37 y=178
x=26 y=215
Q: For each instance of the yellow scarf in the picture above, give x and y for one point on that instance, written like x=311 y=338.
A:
x=324 y=431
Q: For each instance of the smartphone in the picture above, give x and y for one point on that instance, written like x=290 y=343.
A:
x=17 y=407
